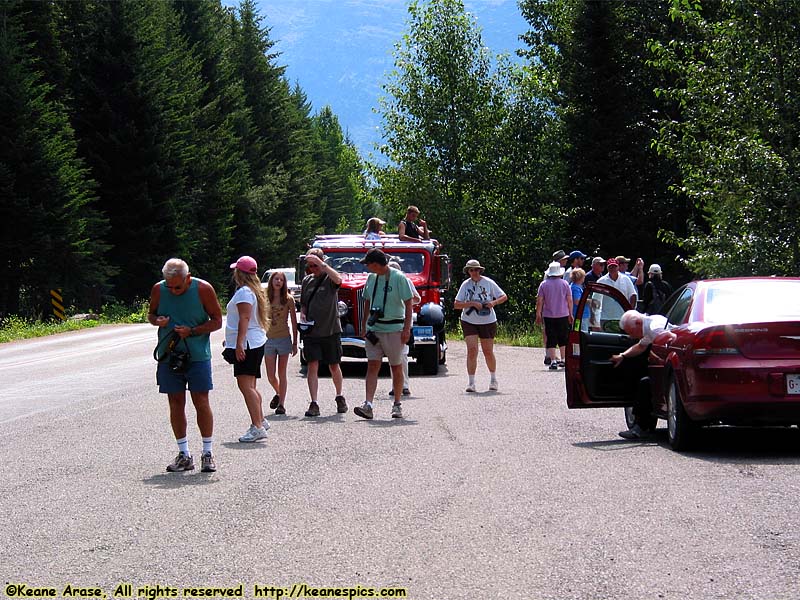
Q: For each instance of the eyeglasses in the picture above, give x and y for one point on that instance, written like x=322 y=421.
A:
x=176 y=287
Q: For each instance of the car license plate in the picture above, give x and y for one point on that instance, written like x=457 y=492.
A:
x=427 y=331
x=793 y=384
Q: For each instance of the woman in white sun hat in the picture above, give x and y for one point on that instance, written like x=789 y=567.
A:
x=476 y=298
x=554 y=308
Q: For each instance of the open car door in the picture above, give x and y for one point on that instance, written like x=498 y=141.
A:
x=592 y=379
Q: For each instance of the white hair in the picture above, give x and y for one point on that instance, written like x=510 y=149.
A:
x=628 y=318
x=175 y=267
x=393 y=264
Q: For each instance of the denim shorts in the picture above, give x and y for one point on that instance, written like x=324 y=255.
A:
x=198 y=378
x=278 y=347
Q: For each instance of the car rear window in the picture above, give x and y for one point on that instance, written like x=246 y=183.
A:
x=752 y=301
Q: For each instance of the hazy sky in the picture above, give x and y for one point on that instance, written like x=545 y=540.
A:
x=340 y=50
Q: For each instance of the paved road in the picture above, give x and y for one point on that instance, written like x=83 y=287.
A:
x=488 y=495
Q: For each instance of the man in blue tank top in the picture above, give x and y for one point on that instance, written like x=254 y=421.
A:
x=188 y=307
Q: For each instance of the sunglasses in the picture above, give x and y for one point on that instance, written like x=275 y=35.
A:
x=176 y=287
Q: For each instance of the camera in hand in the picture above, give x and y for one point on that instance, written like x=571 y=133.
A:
x=179 y=361
x=374 y=315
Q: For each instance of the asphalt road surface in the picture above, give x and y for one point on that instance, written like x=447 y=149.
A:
x=490 y=495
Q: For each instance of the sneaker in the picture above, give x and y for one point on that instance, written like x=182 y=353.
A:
x=553 y=366
x=341 y=404
x=635 y=433
x=562 y=364
x=182 y=462
x=493 y=386
x=208 y=465
x=364 y=411
x=276 y=400
x=406 y=392
x=265 y=424
x=313 y=410
x=471 y=387
x=397 y=411
x=253 y=435
x=280 y=411
x=547 y=360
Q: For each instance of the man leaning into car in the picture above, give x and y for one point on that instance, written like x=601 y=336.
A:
x=646 y=329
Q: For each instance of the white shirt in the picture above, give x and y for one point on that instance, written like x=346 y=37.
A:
x=256 y=336
x=652 y=327
x=484 y=290
x=623 y=284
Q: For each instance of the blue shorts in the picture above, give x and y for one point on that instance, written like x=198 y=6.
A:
x=278 y=347
x=198 y=378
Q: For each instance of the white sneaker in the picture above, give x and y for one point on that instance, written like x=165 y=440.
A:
x=493 y=386
x=471 y=387
x=265 y=424
x=253 y=434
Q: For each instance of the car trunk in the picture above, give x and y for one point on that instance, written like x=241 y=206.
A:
x=767 y=341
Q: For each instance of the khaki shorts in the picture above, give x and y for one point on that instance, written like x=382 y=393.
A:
x=389 y=345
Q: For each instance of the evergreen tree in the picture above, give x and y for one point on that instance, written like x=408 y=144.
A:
x=49 y=229
x=136 y=88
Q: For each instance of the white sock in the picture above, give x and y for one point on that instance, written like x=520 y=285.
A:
x=472 y=379
x=368 y=403
x=493 y=377
x=183 y=445
x=208 y=442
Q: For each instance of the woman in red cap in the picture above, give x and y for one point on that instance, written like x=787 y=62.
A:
x=244 y=341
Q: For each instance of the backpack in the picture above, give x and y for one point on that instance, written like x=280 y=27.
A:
x=660 y=294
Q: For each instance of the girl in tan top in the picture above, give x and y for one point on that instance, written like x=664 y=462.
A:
x=280 y=341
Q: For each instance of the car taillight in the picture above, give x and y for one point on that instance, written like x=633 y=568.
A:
x=713 y=342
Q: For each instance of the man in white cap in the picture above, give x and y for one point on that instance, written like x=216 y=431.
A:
x=596 y=272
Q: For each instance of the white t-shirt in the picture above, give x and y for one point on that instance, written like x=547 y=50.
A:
x=652 y=327
x=623 y=284
x=256 y=336
x=484 y=290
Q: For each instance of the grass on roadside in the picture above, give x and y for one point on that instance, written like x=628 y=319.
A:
x=18 y=328
x=508 y=335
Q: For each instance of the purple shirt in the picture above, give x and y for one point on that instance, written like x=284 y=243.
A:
x=554 y=292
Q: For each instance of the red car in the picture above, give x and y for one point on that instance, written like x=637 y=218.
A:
x=730 y=355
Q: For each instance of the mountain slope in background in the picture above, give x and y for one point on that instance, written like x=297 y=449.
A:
x=340 y=51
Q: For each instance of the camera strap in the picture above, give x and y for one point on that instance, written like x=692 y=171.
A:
x=385 y=293
x=173 y=339
x=314 y=293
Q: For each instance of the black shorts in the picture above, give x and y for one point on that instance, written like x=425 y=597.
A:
x=487 y=331
x=557 y=331
x=327 y=350
x=251 y=365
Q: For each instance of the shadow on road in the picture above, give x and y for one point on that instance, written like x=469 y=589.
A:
x=725 y=445
x=173 y=481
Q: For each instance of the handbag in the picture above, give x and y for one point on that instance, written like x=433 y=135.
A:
x=229 y=354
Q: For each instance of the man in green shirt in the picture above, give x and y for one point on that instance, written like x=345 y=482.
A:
x=386 y=318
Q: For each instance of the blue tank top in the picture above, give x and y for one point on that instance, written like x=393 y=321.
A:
x=186 y=309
